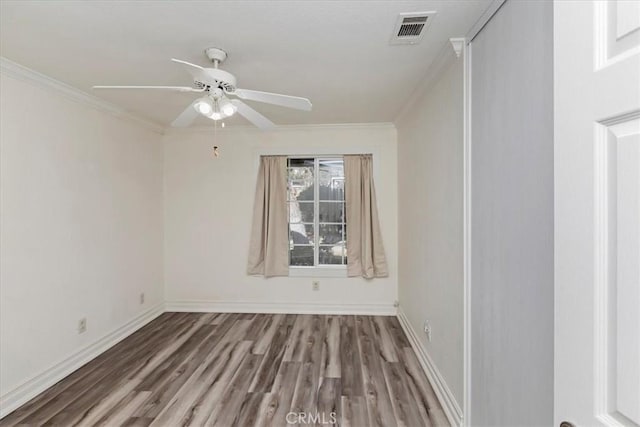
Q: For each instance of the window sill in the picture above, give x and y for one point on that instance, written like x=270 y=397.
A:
x=338 y=271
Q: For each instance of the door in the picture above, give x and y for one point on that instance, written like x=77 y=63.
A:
x=597 y=212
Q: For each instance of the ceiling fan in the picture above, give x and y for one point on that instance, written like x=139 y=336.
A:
x=216 y=86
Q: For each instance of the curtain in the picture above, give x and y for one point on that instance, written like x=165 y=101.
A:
x=365 y=252
x=269 y=245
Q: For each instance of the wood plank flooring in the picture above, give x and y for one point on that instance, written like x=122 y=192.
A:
x=225 y=369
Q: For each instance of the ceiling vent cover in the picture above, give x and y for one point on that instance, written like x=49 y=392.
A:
x=410 y=27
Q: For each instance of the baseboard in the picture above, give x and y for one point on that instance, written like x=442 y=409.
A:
x=39 y=383
x=443 y=392
x=286 y=308
x=20 y=395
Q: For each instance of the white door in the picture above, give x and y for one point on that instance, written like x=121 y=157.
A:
x=597 y=212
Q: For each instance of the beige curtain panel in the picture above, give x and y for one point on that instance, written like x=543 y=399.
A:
x=365 y=252
x=269 y=246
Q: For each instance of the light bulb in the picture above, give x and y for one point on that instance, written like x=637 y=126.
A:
x=215 y=113
x=204 y=106
x=227 y=108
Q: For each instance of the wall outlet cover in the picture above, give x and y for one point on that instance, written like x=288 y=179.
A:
x=427 y=329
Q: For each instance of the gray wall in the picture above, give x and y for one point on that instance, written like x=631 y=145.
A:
x=512 y=217
x=430 y=242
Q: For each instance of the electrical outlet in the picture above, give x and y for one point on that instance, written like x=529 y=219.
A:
x=315 y=285
x=427 y=329
x=82 y=325
x=142 y=298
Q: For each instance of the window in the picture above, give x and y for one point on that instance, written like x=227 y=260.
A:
x=317 y=226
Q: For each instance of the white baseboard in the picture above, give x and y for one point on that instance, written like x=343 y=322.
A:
x=39 y=383
x=286 y=308
x=20 y=395
x=443 y=392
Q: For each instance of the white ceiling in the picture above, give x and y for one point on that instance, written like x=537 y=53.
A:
x=336 y=53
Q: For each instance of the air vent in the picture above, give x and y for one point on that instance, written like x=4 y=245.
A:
x=410 y=27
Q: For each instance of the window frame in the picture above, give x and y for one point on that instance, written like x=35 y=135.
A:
x=327 y=270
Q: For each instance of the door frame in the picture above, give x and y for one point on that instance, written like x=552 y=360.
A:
x=467 y=194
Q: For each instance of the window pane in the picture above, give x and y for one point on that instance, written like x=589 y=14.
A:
x=331 y=254
x=331 y=211
x=301 y=162
x=301 y=256
x=331 y=179
x=301 y=212
x=333 y=191
x=329 y=246
x=300 y=190
x=300 y=184
x=301 y=234
x=330 y=234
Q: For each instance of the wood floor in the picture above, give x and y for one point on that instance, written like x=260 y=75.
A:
x=243 y=370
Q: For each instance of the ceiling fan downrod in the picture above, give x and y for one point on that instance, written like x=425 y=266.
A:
x=216 y=55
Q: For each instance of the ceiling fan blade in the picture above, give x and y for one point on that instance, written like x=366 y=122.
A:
x=253 y=116
x=193 y=69
x=173 y=88
x=180 y=61
x=186 y=117
x=274 y=98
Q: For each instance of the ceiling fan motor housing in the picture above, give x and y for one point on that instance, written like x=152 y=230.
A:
x=215 y=78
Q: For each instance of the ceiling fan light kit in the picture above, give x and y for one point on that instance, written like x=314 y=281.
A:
x=217 y=85
x=227 y=108
x=204 y=106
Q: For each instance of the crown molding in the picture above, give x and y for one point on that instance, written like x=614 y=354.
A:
x=457 y=44
x=280 y=128
x=488 y=13
x=445 y=57
x=20 y=72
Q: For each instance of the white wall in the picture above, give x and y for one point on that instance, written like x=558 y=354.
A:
x=209 y=204
x=512 y=218
x=81 y=226
x=430 y=184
